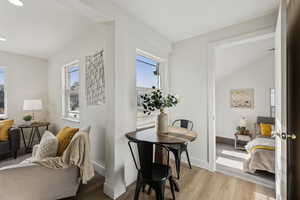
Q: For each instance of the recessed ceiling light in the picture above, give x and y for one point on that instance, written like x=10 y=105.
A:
x=2 y=39
x=16 y=2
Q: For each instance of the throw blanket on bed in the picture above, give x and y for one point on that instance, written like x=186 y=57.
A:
x=261 y=143
x=77 y=154
x=261 y=155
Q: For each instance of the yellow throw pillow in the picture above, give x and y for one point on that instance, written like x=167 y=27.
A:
x=64 y=137
x=266 y=130
x=4 y=126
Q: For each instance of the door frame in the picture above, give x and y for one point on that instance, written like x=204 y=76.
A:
x=262 y=34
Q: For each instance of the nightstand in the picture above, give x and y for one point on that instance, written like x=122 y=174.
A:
x=241 y=140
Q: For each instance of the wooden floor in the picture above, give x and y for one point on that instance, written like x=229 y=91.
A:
x=195 y=184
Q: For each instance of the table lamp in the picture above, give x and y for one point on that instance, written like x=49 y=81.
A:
x=243 y=122
x=32 y=105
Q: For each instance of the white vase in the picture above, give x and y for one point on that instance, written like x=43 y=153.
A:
x=27 y=123
x=162 y=122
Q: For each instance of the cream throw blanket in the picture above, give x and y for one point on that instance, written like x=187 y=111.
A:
x=77 y=154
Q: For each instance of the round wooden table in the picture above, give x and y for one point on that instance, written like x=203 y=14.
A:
x=173 y=136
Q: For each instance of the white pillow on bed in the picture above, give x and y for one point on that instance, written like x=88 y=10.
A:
x=47 y=147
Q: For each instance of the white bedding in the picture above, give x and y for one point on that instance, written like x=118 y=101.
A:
x=260 y=159
x=260 y=141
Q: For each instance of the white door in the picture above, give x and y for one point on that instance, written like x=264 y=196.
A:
x=281 y=101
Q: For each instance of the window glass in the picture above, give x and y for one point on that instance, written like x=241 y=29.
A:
x=73 y=73
x=2 y=92
x=147 y=76
x=71 y=80
x=147 y=72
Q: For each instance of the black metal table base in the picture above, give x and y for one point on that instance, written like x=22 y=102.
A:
x=33 y=133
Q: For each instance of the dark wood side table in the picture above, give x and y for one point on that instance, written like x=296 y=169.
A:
x=35 y=132
x=240 y=140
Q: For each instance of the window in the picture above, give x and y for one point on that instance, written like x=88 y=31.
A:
x=272 y=102
x=71 y=90
x=147 y=76
x=3 y=106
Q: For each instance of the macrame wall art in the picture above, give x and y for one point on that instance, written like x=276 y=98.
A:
x=95 y=80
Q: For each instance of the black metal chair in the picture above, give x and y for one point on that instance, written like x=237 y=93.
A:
x=150 y=173
x=178 y=149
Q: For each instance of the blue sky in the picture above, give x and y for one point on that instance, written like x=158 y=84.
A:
x=144 y=72
x=2 y=74
x=145 y=76
x=75 y=75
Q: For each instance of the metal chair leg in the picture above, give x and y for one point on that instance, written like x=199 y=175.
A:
x=137 y=189
x=159 y=191
x=177 y=163
x=188 y=158
x=172 y=187
x=149 y=190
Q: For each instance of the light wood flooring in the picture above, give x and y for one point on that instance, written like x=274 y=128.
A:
x=195 y=184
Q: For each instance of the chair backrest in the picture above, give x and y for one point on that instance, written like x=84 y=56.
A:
x=183 y=123
x=145 y=152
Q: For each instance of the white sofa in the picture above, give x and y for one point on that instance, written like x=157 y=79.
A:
x=27 y=181
x=33 y=182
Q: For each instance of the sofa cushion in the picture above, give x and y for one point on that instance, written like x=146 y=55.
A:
x=64 y=137
x=4 y=127
x=47 y=147
x=4 y=147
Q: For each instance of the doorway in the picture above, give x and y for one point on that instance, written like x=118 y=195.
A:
x=241 y=85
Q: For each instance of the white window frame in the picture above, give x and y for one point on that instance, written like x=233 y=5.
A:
x=73 y=116
x=161 y=80
x=5 y=115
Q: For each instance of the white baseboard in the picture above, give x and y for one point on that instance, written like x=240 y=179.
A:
x=99 y=168
x=108 y=190
x=113 y=193
x=131 y=180
x=196 y=162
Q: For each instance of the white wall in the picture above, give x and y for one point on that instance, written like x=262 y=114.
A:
x=258 y=75
x=130 y=34
x=98 y=38
x=189 y=79
x=26 y=78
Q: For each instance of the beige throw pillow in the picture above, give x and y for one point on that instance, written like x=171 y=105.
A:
x=47 y=147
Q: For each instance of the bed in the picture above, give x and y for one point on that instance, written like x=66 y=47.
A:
x=261 y=153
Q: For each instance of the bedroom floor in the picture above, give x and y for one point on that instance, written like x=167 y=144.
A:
x=230 y=161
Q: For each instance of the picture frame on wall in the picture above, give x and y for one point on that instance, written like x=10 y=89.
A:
x=242 y=98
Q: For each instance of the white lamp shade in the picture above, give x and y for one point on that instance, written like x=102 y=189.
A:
x=34 y=104
x=243 y=122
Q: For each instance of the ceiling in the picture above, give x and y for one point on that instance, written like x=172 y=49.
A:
x=40 y=28
x=232 y=58
x=178 y=20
